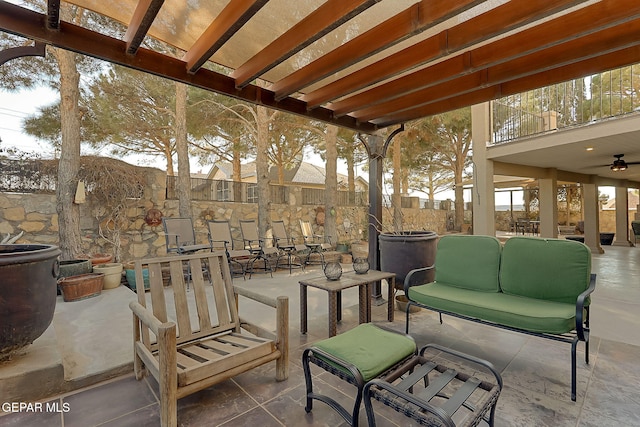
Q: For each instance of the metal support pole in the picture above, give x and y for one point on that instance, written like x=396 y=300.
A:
x=377 y=150
x=375 y=218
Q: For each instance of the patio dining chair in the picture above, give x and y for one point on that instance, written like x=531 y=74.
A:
x=256 y=246
x=286 y=246
x=314 y=242
x=220 y=239
x=180 y=237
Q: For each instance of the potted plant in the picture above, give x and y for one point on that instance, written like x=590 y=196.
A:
x=112 y=274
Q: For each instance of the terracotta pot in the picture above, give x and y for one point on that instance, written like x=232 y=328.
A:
x=401 y=304
x=27 y=294
x=112 y=274
x=101 y=258
x=75 y=288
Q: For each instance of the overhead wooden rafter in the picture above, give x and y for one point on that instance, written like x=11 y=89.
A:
x=400 y=60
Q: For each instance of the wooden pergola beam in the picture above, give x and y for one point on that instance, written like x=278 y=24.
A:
x=321 y=21
x=575 y=50
x=31 y=24
x=144 y=15
x=226 y=24
x=413 y=20
x=482 y=27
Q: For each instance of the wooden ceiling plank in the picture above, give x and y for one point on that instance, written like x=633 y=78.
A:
x=20 y=21
x=144 y=15
x=594 y=44
x=598 y=64
x=527 y=42
x=321 y=21
x=413 y=20
x=224 y=26
x=505 y=18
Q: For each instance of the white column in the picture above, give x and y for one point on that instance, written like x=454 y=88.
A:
x=483 y=196
x=592 y=218
x=548 y=198
x=622 y=217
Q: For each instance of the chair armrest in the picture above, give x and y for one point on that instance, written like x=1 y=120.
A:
x=581 y=330
x=148 y=319
x=280 y=303
x=416 y=277
x=224 y=243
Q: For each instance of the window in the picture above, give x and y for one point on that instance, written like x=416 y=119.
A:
x=223 y=191
x=252 y=193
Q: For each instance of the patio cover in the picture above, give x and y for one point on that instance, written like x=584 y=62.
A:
x=361 y=64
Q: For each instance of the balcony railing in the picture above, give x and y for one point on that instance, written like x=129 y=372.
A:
x=597 y=97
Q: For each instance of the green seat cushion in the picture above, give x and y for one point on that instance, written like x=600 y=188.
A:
x=370 y=349
x=469 y=262
x=509 y=310
x=548 y=269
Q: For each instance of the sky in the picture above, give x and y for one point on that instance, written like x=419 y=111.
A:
x=16 y=106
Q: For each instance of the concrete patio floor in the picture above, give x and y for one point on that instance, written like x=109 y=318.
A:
x=82 y=364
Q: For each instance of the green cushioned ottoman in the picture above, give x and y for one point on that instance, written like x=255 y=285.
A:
x=357 y=356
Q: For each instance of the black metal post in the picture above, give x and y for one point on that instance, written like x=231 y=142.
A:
x=375 y=216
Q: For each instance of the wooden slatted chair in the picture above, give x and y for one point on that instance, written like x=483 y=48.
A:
x=191 y=340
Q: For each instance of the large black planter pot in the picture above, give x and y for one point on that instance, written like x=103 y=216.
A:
x=405 y=251
x=28 y=276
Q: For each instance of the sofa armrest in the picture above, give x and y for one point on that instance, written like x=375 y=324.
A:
x=416 y=277
x=582 y=324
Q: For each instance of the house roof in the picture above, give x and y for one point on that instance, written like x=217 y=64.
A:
x=361 y=64
x=304 y=173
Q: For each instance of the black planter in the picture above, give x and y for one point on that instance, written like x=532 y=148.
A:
x=405 y=251
x=27 y=294
x=606 y=238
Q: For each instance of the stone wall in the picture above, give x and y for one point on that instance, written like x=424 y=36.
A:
x=35 y=215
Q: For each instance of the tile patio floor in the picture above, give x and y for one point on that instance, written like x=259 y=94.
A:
x=536 y=372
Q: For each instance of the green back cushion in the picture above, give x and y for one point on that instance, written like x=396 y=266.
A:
x=469 y=262
x=549 y=269
x=369 y=348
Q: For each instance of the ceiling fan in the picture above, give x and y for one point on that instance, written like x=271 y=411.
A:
x=619 y=165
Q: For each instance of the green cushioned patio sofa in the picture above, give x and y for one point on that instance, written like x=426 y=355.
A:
x=531 y=285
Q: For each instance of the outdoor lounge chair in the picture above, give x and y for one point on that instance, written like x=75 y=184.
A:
x=286 y=246
x=220 y=239
x=314 y=242
x=191 y=341
x=180 y=237
x=256 y=245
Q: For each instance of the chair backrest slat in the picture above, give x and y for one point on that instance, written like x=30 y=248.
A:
x=180 y=298
x=200 y=292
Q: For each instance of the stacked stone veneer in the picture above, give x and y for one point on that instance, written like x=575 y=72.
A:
x=35 y=214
